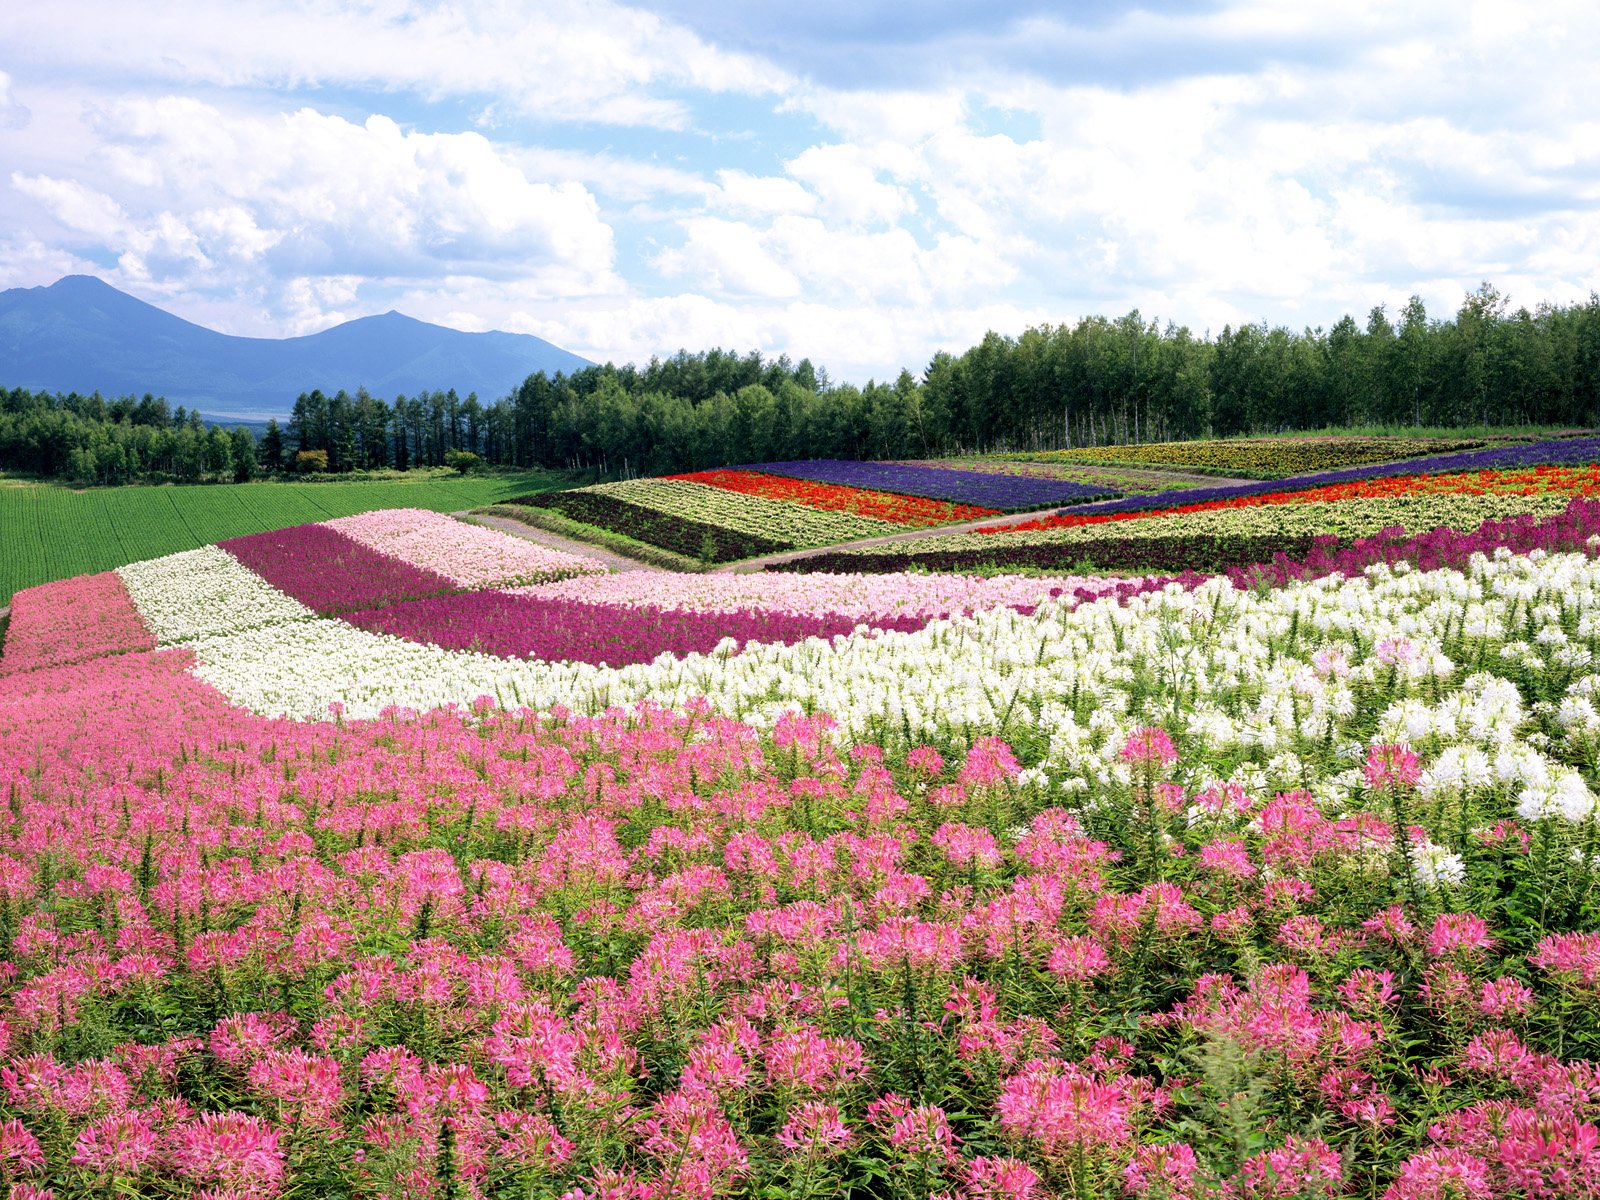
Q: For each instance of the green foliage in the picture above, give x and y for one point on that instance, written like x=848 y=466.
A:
x=463 y=461
x=309 y=462
x=1095 y=383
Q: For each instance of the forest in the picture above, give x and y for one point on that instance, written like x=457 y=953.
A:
x=1093 y=382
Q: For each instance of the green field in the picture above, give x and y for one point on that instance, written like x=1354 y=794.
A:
x=49 y=532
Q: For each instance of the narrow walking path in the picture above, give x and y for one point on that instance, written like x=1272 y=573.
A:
x=555 y=541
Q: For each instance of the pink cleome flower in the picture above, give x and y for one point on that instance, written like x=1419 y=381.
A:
x=1149 y=745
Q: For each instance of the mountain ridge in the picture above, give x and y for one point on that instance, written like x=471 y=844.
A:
x=82 y=334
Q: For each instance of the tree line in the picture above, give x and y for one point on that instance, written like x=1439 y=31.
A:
x=1093 y=382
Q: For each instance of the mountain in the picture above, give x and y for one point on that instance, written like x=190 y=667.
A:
x=81 y=334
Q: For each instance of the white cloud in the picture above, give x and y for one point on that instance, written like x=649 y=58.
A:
x=1256 y=159
x=306 y=194
x=587 y=60
x=80 y=208
x=13 y=113
x=743 y=194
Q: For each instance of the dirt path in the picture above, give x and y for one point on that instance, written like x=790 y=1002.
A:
x=555 y=541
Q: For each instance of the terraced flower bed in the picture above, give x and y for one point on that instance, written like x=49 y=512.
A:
x=1110 y=480
x=1225 y=533
x=907 y=512
x=1272 y=458
x=566 y=630
x=652 y=526
x=1574 y=452
x=1181 y=887
x=746 y=512
x=1157 y=553
x=986 y=489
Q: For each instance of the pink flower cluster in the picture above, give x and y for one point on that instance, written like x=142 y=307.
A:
x=469 y=555
x=72 y=621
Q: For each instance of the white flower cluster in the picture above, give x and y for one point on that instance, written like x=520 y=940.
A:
x=1268 y=683
x=198 y=593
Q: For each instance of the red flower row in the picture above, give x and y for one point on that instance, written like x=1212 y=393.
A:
x=1573 y=481
x=832 y=497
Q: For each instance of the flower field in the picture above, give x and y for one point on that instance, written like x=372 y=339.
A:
x=743 y=512
x=398 y=858
x=1005 y=493
x=906 y=511
x=1271 y=458
x=1219 y=529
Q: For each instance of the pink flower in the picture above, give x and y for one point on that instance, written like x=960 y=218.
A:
x=1391 y=766
x=924 y=1131
x=1366 y=992
x=1495 y=1052
x=240 y=1040
x=692 y=1131
x=1162 y=1171
x=300 y=1080
x=1459 y=933
x=116 y=1145
x=531 y=1140
x=1504 y=997
x=989 y=762
x=1441 y=1174
x=815 y=1129
x=1397 y=651
x=1302 y=1167
x=803 y=1058
x=233 y=1149
x=925 y=760
x=1079 y=958
x=1149 y=745
x=1228 y=858
x=19 y=1149
x=1000 y=1179
x=1572 y=955
x=1064 y=1107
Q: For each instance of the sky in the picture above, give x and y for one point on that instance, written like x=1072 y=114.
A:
x=860 y=183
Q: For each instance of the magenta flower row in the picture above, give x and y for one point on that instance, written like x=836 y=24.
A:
x=561 y=630
x=333 y=573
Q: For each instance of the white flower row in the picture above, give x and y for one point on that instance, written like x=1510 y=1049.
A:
x=865 y=597
x=1263 y=680
x=198 y=593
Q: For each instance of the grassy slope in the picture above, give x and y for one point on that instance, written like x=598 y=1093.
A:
x=49 y=532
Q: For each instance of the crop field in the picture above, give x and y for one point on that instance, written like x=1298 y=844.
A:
x=1263 y=458
x=388 y=856
x=55 y=532
x=743 y=512
x=1103 y=479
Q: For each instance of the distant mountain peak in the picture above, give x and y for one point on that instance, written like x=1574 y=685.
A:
x=82 y=334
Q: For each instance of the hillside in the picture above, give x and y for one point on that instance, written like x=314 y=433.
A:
x=82 y=334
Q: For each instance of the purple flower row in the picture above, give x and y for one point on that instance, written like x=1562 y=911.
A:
x=1568 y=452
x=1568 y=530
x=982 y=488
x=559 y=630
x=332 y=573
